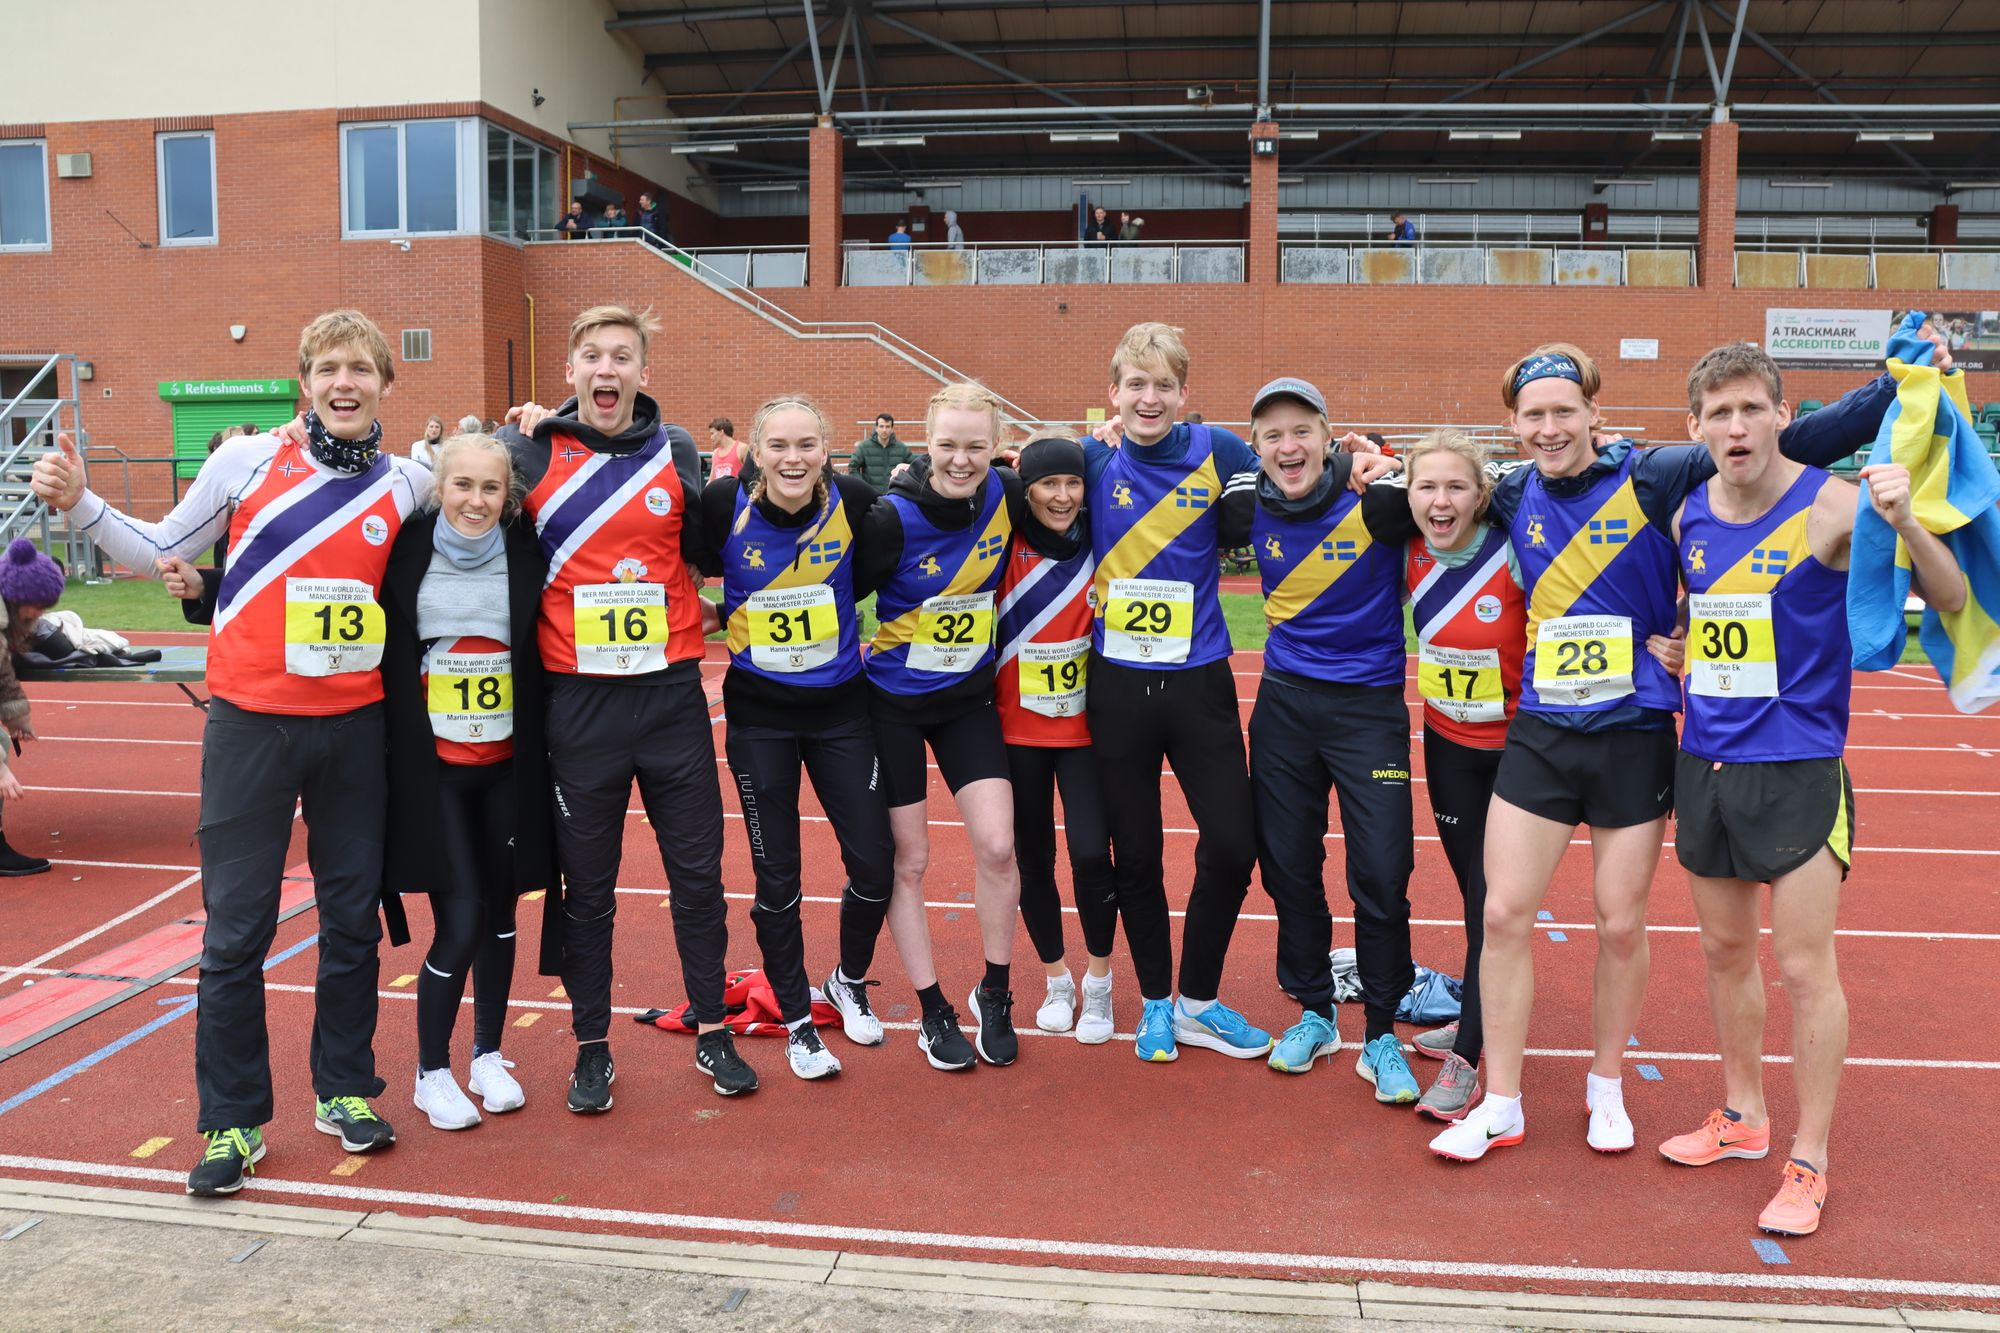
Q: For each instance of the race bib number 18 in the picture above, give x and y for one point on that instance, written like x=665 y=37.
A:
x=621 y=628
x=1148 y=621
x=332 y=627
x=1583 y=659
x=470 y=696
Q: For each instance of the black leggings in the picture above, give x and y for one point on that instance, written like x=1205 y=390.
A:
x=764 y=764
x=473 y=911
x=1036 y=771
x=1461 y=783
x=1138 y=717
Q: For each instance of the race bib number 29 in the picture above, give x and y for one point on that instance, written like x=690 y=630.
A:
x=1148 y=620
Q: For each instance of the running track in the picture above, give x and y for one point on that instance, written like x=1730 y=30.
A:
x=1078 y=1155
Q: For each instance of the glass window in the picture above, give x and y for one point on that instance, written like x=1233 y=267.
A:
x=551 y=194
x=374 y=201
x=430 y=175
x=24 y=195
x=187 y=189
x=498 y=142
x=524 y=188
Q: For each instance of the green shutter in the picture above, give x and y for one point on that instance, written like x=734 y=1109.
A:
x=195 y=422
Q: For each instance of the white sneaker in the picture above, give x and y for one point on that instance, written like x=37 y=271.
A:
x=857 y=1020
x=1486 y=1126
x=1058 y=1011
x=808 y=1054
x=438 y=1097
x=1093 y=1026
x=1610 y=1127
x=496 y=1089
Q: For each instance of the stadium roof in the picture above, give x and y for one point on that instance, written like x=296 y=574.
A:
x=1547 y=85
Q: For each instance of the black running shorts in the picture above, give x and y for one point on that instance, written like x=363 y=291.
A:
x=968 y=747
x=1602 y=779
x=1760 y=821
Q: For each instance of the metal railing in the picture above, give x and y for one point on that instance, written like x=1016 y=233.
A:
x=28 y=425
x=1417 y=263
x=1862 y=266
x=745 y=265
x=709 y=275
x=1028 y=264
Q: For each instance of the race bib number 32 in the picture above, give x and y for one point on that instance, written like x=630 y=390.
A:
x=1731 y=652
x=793 y=629
x=1583 y=659
x=953 y=633
x=1053 y=677
x=621 y=628
x=1462 y=683
x=332 y=627
x=1148 y=620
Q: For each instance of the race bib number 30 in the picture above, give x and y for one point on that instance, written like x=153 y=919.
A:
x=332 y=627
x=953 y=633
x=470 y=696
x=1148 y=620
x=621 y=628
x=1583 y=659
x=793 y=629
x=1053 y=677
x=1462 y=683
x=1731 y=652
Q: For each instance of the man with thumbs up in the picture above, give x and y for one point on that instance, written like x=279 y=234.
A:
x=293 y=662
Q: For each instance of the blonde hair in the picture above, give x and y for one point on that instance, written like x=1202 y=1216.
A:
x=1151 y=344
x=452 y=446
x=965 y=396
x=1460 y=445
x=1585 y=367
x=598 y=317
x=822 y=486
x=345 y=328
x=1729 y=363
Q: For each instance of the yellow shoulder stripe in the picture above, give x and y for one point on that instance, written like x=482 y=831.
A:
x=1776 y=554
x=1320 y=569
x=1578 y=565
x=988 y=551
x=1157 y=530
x=833 y=543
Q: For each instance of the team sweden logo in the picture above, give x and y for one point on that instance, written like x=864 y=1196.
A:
x=1272 y=548
x=1121 y=495
x=753 y=556
x=1535 y=532
x=928 y=566
x=1697 y=557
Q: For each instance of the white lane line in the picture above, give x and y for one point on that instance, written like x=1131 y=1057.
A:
x=95 y=931
x=111 y=740
x=1205 y=1259
x=107 y=703
x=128 y=865
x=115 y=791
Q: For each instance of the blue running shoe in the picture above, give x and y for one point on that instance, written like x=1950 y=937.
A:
x=1155 y=1038
x=1304 y=1042
x=1221 y=1028
x=1381 y=1062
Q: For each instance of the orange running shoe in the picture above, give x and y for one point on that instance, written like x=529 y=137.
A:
x=1801 y=1199
x=1719 y=1137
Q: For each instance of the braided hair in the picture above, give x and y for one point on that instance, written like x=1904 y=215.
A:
x=823 y=498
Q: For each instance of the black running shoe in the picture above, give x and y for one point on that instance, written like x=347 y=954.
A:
x=993 y=1010
x=226 y=1161
x=354 y=1122
x=590 y=1084
x=715 y=1055
x=942 y=1043
x=14 y=863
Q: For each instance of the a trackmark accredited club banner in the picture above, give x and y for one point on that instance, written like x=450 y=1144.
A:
x=1825 y=339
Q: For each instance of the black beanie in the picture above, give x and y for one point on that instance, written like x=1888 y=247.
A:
x=1050 y=458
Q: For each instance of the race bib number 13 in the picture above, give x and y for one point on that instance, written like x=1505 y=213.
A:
x=621 y=628
x=1583 y=659
x=332 y=627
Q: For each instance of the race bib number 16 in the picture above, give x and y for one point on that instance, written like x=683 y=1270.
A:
x=621 y=628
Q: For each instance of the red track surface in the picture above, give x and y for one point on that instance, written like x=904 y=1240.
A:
x=1082 y=1155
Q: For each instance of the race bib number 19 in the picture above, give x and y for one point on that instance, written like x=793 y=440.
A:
x=1149 y=621
x=1053 y=677
x=1583 y=659
x=621 y=628
x=332 y=627
x=1731 y=652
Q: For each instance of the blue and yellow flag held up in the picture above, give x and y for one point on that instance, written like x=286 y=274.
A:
x=1953 y=489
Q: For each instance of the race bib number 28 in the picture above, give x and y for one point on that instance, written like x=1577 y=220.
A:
x=1583 y=659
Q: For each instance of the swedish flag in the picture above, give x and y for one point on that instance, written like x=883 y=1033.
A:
x=1953 y=488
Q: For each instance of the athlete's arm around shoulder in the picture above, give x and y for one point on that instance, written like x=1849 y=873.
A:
x=718 y=515
x=878 y=546
x=193 y=525
x=1934 y=573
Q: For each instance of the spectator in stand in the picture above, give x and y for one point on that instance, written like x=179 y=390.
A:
x=954 y=235
x=1129 y=227
x=30 y=583
x=575 y=224
x=725 y=451
x=425 y=450
x=879 y=454
x=652 y=215
x=1100 y=228
x=1403 y=229
x=899 y=239
x=614 y=217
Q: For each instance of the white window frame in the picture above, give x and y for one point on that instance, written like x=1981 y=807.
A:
x=48 y=220
x=540 y=153
x=471 y=183
x=214 y=202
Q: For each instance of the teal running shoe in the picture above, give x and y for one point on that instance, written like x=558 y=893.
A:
x=1304 y=1042
x=1155 y=1038
x=230 y=1156
x=1221 y=1028
x=1381 y=1062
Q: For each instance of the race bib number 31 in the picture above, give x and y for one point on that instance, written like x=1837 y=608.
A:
x=1731 y=652
x=332 y=627
x=1053 y=677
x=1148 y=620
x=1462 y=683
x=793 y=629
x=1583 y=659
x=621 y=628
x=470 y=696
x=953 y=633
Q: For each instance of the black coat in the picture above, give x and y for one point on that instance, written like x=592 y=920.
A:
x=414 y=860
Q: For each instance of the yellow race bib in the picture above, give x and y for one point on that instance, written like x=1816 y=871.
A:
x=1148 y=621
x=470 y=696
x=793 y=629
x=332 y=627
x=1462 y=683
x=621 y=628
x=1583 y=659
x=1052 y=677
x=953 y=632
x=1731 y=651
